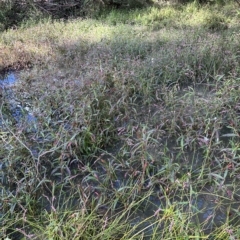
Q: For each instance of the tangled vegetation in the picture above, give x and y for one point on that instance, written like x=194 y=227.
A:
x=135 y=125
x=14 y=12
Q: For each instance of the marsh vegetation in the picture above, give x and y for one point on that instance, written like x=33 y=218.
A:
x=136 y=125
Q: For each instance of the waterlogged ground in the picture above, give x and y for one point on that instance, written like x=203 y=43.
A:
x=18 y=112
x=122 y=130
x=209 y=205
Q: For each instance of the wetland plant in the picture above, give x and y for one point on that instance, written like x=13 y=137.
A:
x=137 y=126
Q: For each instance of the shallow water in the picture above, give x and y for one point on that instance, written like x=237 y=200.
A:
x=209 y=207
x=203 y=208
x=7 y=80
x=18 y=112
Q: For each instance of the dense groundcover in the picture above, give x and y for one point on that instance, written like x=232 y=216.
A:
x=13 y=12
x=120 y=123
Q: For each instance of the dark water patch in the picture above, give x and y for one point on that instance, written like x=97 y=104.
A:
x=209 y=208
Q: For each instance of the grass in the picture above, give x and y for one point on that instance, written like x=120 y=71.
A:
x=137 y=130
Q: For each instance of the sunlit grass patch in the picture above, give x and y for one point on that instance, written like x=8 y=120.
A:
x=209 y=20
x=189 y=15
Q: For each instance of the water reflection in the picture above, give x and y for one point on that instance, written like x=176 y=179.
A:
x=7 y=80
x=17 y=111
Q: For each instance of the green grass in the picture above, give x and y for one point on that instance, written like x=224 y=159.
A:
x=137 y=132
